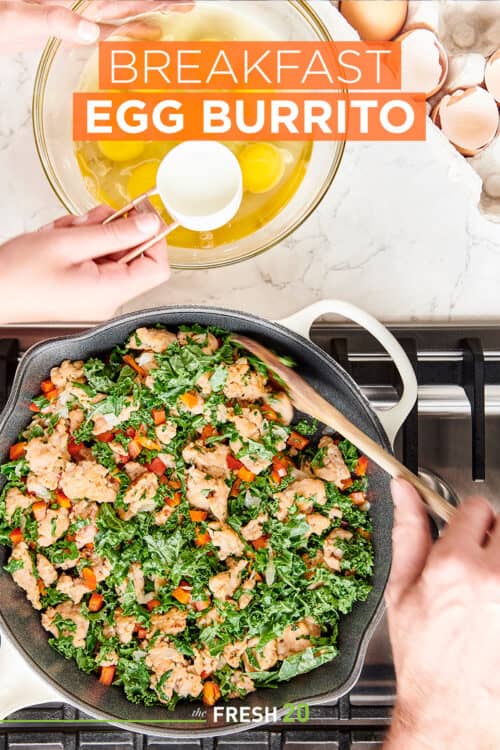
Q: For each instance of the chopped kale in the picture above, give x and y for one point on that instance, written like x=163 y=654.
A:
x=162 y=555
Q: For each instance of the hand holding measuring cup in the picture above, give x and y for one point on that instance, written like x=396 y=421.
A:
x=201 y=186
x=70 y=270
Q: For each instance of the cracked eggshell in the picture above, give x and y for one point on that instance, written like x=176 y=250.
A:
x=424 y=62
x=469 y=31
x=468 y=118
x=375 y=20
x=492 y=75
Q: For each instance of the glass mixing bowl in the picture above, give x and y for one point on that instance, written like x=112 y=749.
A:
x=59 y=74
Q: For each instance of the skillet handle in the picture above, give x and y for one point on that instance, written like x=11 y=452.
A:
x=20 y=685
x=393 y=418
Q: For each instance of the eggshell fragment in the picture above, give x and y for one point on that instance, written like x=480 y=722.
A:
x=492 y=75
x=375 y=20
x=424 y=63
x=469 y=118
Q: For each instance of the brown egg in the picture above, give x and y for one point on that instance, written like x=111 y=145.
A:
x=469 y=119
x=492 y=75
x=375 y=20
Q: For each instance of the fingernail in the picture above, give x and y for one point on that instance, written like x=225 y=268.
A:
x=80 y=220
x=147 y=223
x=88 y=32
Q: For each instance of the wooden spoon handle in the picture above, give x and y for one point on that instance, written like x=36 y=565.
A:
x=332 y=417
x=309 y=401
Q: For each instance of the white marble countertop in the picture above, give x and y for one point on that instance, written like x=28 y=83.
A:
x=396 y=234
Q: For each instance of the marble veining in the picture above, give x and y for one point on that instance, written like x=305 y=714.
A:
x=399 y=232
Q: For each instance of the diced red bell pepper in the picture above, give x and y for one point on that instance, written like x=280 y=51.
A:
x=246 y=475
x=52 y=395
x=297 y=441
x=39 y=510
x=198 y=515
x=260 y=543
x=130 y=432
x=202 y=538
x=208 y=431
x=182 y=596
x=280 y=466
x=89 y=578
x=96 y=602
x=47 y=385
x=105 y=437
x=107 y=675
x=130 y=361
x=361 y=466
x=276 y=478
x=16 y=536
x=18 y=450
x=62 y=500
x=346 y=483
x=157 y=467
x=159 y=416
x=141 y=633
x=233 y=463
x=235 y=489
x=270 y=414
x=145 y=442
x=211 y=693
x=152 y=604
x=189 y=399
x=34 y=407
x=134 y=448
x=175 y=500
x=74 y=448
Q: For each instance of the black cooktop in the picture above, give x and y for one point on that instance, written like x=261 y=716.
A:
x=468 y=358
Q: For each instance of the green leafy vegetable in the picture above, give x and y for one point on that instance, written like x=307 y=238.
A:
x=198 y=565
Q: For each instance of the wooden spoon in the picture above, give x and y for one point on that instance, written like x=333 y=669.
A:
x=307 y=400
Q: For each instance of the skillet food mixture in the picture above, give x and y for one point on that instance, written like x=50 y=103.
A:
x=178 y=535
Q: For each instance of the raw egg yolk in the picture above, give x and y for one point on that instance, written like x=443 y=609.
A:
x=262 y=165
x=121 y=150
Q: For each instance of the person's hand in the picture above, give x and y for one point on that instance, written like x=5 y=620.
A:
x=444 y=620
x=70 y=270
x=25 y=24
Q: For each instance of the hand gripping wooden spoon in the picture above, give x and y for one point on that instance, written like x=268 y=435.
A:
x=307 y=400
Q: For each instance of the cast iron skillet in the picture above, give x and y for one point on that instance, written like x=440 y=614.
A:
x=21 y=623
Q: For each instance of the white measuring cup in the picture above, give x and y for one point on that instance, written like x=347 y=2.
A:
x=201 y=186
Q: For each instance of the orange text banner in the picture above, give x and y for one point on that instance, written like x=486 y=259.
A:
x=248 y=116
x=249 y=65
